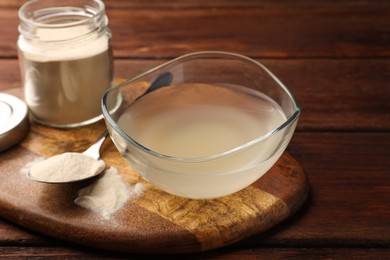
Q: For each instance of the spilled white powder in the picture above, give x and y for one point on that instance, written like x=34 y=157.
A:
x=66 y=167
x=25 y=170
x=108 y=194
x=104 y=196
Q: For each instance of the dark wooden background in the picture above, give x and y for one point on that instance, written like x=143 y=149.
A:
x=333 y=55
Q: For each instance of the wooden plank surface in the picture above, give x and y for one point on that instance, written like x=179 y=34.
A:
x=348 y=205
x=175 y=4
x=228 y=253
x=257 y=32
x=334 y=56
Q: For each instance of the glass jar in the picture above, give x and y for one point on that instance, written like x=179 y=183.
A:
x=65 y=58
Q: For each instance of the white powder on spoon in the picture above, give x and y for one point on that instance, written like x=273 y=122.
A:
x=105 y=196
x=66 y=167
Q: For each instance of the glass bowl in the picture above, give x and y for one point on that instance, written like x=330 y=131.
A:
x=213 y=124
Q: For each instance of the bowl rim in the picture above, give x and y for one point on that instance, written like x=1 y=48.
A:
x=210 y=54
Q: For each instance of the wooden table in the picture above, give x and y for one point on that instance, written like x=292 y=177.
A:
x=333 y=55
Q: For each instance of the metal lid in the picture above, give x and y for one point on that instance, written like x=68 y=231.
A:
x=14 y=122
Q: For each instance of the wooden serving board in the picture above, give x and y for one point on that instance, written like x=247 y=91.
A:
x=155 y=222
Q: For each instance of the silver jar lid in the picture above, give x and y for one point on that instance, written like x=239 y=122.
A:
x=14 y=122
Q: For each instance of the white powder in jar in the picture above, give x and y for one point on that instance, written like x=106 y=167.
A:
x=108 y=194
x=66 y=167
x=64 y=79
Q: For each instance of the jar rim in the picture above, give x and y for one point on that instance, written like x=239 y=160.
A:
x=35 y=14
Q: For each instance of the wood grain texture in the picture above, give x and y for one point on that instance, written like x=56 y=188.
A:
x=350 y=193
x=154 y=222
x=294 y=34
x=175 y=4
x=225 y=253
x=348 y=31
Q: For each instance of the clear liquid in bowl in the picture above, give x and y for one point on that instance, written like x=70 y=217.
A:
x=202 y=120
